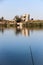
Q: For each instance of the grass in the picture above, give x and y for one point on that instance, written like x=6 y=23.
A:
x=33 y=23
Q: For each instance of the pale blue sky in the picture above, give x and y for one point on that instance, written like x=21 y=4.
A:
x=10 y=8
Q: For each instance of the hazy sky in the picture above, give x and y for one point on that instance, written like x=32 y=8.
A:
x=10 y=8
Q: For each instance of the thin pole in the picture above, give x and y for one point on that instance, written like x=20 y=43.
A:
x=31 y=56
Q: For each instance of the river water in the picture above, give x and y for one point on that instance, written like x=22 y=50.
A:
x=21 y=46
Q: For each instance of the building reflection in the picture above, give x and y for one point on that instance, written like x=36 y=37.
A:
x=23 y=31
x=18 y=30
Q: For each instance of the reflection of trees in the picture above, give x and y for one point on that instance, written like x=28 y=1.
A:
x=17 y=31
x=2 y=28
x=23 y=31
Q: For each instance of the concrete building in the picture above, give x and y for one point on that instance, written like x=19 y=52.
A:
x=25 y=17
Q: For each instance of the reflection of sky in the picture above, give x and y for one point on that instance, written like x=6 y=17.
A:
x=15 y=49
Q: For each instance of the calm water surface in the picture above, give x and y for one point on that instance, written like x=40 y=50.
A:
x=21 y=47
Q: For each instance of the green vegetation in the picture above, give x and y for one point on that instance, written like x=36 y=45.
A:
x=2 y=18
x=17 y=19
x=33 y=24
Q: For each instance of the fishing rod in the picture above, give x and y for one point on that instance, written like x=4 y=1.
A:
x=31 y=56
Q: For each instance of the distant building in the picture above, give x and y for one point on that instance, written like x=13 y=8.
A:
x=25 y=17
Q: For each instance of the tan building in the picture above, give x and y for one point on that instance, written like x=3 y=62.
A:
x=25 y=17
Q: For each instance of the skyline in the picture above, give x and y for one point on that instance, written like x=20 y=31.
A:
x=11 y=8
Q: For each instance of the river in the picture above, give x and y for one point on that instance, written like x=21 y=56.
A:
x=21 y=46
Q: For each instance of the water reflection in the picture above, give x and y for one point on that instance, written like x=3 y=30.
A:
x=17 y=30
x=25 y=49
x=24 y=31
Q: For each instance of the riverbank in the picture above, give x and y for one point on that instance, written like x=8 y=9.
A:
x=33 y=23
x=30 y=23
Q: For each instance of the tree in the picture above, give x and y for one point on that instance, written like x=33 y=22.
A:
x=31 y=18
x=17 y=19
x=2 y=18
